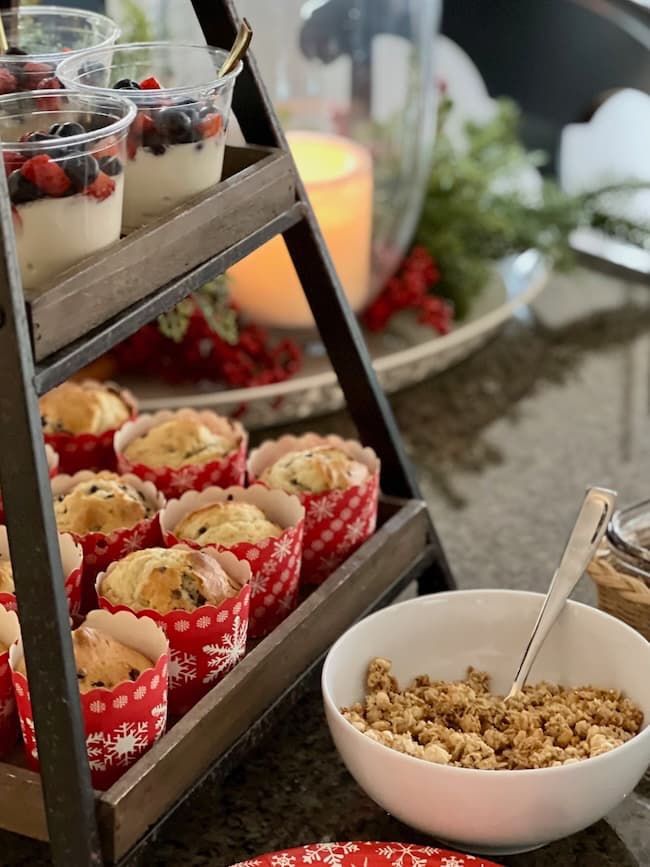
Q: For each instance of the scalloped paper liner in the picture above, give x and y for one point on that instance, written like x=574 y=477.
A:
x=90 y=451
x=53 y=465
x=275 y=562
x=366 y=854
x=205 y=644
x=336 y=522
x=72 y=562
x=121 y=723
x=9 y=634
x=230 y=470
x=101 y=549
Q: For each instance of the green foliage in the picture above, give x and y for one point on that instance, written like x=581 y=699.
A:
x=212 y=302
x=470 y=217
x=134 y=22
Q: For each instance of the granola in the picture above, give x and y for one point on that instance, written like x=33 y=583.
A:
x=461 y=723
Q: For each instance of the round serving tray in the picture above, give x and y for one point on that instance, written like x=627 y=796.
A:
x=404 y=354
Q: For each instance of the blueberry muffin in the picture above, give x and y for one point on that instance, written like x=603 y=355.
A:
x=101 y=660
x=82 y=408
x=314 y=471
x=167 y=579
x=100 y=504
x=226 y=524
x=182 y=441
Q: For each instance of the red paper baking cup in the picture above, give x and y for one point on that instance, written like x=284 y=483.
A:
x=336 y=522
x=90 y=451
x=275 y=562
x=100 y=549
x=121 y=723
x=72 y=562
x=230 y=470
x=53 y=465
x=205 y=644
x=9 y=633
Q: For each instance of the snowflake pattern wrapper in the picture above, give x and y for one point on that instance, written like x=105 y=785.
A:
x=204 y=645
x=8 y=714
x=121 y=724
x=363 y=854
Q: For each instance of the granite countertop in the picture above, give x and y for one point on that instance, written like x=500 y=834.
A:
x=504 y=446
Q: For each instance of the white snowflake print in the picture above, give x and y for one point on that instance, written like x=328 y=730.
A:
x=252 y=554
x=126 y=742
x=203 y=622
x=95 y=748
x=282 y=549
x=252 y=862
x=159 y=724
x=269 y=568
x=328 y=853
x=181 y=625
x=405 y=856
x=7 y=707
x=182 y=668
x=258 y=583
x=355 y=531
x=283 y=860
x=330 y=563
x=183 y=480
x=321 y=510
x=224 y=656
x=136 y=540
x=452 y=861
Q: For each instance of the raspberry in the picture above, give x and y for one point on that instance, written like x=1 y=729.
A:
x=150 y=83
x=47 y=175
x=210 y=125
x=12 y=161
x=101 y=188
x=7 y=81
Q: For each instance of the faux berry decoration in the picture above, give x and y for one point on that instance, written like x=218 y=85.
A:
x=47 y=175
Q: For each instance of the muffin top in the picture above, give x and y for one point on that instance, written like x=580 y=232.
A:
x=226 y=524
x=6 y=577
x=100 y=504
x=82 y=408
x=182 y=441
x=101 y=660
x=315 y=470
x=167 y=579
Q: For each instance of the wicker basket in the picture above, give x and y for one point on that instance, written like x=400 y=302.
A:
x=619 y=593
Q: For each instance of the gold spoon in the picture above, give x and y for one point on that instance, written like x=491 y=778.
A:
x=238 y=50
x=4 y=45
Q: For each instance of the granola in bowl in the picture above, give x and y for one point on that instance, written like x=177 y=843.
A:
x=461 y=723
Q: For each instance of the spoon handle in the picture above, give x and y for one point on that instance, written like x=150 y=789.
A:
x=585 y=537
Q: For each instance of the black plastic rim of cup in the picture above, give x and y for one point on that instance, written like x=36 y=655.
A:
x=94 y=107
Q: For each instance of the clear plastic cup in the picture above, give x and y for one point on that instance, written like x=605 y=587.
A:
x=64 y=156
x=176 y=143
x=43 y=36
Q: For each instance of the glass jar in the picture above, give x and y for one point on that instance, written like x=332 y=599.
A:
x=629 y=540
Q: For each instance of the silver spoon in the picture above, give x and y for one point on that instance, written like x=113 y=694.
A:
x=589 y=528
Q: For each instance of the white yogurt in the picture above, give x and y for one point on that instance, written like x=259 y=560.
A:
x=155 y=185
x=53 y=234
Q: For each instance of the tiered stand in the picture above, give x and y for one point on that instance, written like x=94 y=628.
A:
x=72 y=322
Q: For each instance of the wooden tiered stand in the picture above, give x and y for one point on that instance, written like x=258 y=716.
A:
x=72 y=322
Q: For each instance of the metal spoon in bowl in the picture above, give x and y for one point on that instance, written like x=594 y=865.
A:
x=589 y=528
x=238 y=50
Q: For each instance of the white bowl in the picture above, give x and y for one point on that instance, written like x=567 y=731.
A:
x=491 y=812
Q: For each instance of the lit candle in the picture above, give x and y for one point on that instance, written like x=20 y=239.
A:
x=337 y=174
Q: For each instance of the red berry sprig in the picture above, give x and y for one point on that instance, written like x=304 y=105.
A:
x=410 y=289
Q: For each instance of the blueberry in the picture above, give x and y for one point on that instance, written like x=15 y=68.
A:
x=41 y=136
x=206 y=111
x=126 y=84
x=93 y=72
x=82 y=170
x=111 y=166
x=55 y=128
x=174 y=125
x=71 y=128
x=21 y=190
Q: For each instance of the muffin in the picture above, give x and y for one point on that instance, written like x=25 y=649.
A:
x=83 y=408
x=102 y=661
x=315 y=470
x=227 y=524
x=183 y=440
x=6 y=578
x=167 y=579
x=102 y=503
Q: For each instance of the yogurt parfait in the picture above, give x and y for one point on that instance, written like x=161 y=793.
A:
x=175 y=146
x=41 y=36
x=64 y=156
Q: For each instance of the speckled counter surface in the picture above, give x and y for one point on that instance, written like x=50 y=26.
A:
x=504 y=445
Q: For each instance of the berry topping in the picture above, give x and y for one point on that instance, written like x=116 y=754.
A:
x=22 y=190
x=150 y=83
x=101 y=188
x=36 y=135
x=174 y=125
x=38 y=69
x=8 y=82
x=12 y=161
x=111 y=166
x=210 y=125
x=47 y=175
x=50 y=82
x=71 y=128
x=126 y=84
x=82 y=170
